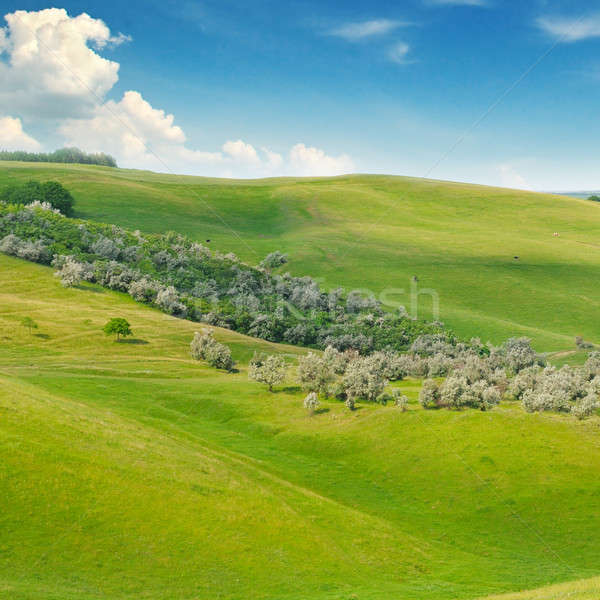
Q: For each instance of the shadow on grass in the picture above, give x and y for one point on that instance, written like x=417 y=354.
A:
x=290 y=389
x=321 y=411
x=133 y=341
x=42 y=336
x=90 y=287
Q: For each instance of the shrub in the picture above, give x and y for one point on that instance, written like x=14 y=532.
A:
x=35 y=251
x=400 y=400
x=219 y=356
x=204 y=347
x=311 y=403
x=200 y=343
x=335 y=360
x=168 y=299
x=71 y=272
x=586 y=406
x=144 y=289
x=269 y=369
x=363 y=379
x=274 y=260
x=105 y=247
x=314 y=374
x=517 y=354
x=384 y=398
x=429 y=396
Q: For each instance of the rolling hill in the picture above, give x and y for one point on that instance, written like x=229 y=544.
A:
x=130 y=471
x=376 y=233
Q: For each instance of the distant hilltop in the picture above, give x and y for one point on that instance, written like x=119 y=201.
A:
x=591 y=195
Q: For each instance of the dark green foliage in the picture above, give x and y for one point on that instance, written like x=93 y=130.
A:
x=118 y=327
x=594 y=198
x=65 y=155
x=50 y=191
x=185 y=279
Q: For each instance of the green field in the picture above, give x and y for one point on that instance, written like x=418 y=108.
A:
x=129 y=471
x=376 y=232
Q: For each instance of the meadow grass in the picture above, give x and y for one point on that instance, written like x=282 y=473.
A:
x=588 y=589
x=131 y=471
x=376 y=233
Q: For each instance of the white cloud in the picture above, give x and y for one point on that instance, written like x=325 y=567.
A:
x=398 y=53
x=131 y=129
x=273 y=160
x=365 y=29
x=140 y=136
x=242 y=152
x=568 y=29
x=12 y=136
x=512 y=179
x=51 y=69
x=306 y=160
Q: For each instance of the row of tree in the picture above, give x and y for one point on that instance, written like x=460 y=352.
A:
x=476 y=380
x=64 y=155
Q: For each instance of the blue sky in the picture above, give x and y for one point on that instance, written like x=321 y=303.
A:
x=303 y=87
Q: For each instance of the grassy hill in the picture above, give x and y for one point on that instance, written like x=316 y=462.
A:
x=588 y=589
x=376 y=232
x=130 y=471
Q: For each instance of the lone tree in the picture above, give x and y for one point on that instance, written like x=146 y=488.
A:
x=29 y=323
x=267 y=369
x=118 y=327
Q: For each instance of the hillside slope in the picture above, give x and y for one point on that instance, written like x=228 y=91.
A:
x=376 y=233
x=130 y=471
x=588 y=589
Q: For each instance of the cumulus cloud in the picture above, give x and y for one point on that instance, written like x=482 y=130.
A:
x=242 y=152
x=305 y=160
x=12 y=136
x=52 y=67
x=569 y=29
x=140 y=136
x=353 y=32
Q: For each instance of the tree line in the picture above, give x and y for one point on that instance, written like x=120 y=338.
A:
x=64 y=155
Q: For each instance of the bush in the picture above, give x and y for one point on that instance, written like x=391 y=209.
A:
x=429 y=396
x=168 y=299
x=363 y=379
x=71 y=272
x=219 y=356
x=400 y=400
x=204 y=347
x=311 y=403
x=274 y=260
x=586 y=406
x=269 y=369
x=314 y=373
